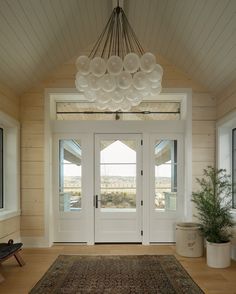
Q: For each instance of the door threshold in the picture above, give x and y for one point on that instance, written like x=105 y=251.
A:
x=118 y=243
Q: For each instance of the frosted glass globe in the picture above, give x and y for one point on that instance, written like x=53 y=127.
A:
x=77 y=86
x=93 y=82
x=155 y=76
x=145 y=92
x=125 y=105
x=147 y=62
x=100 y=106
x=156 y=91
x=117 y=96
x=139 y=80
x=103 y=97
x=131 y=94
x=107 y=82
x=136 y=101
x=113 y=106
x=131 y=62
x=82 y=64
x=90 y=95
x=81 y=82
x=114 y=65
x=77 y=75
x=98 y=66
x=124 y=80
x=155 y=84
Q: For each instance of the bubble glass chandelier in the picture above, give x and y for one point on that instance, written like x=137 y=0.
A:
x=118 y=74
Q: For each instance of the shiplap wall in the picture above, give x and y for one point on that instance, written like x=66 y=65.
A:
x=226 y=101
x=9 y=104
x=32 y=141
x=32 y=160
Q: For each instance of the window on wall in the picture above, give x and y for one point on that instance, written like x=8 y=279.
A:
x=1 y=168
x=9 y=167
x=226 y=131
x=234 y=167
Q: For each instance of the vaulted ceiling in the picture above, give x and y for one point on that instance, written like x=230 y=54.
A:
x=198 y=36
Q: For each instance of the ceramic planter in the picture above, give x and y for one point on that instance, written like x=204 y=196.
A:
x=189 y=241
x=218 y=254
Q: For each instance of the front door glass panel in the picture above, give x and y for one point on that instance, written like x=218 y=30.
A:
x=118 y=174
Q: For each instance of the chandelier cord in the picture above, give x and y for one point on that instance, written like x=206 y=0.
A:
x=109 y=33
x=99 y=40
x=132 y=35
x=117 y=38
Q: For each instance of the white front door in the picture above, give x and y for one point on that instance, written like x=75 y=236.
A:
x=118 y=186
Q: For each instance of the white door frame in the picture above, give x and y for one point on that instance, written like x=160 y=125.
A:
x=117 y=127
x=52 y=126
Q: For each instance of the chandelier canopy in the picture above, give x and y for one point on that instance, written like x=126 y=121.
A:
x=118 y=74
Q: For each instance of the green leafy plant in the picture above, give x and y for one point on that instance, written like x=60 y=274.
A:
x=213 y=203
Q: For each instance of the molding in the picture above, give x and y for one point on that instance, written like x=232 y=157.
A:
x=48 y=220
x=7 y=214
x=8 y=120
x=35 y=242
x=188 y=156
x=227 y=120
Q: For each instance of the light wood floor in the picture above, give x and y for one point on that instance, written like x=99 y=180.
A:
x=19 y=280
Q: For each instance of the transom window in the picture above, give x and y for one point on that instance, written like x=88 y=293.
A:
x=147 y=110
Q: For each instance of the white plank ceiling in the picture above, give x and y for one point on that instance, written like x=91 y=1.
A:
x=198 y=36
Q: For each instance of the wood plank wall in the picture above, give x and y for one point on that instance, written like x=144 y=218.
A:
x=32 y=145
x=32 y=161
x=9 y=104
x=226 y=101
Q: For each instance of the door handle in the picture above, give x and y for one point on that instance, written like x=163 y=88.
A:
x=96 y=201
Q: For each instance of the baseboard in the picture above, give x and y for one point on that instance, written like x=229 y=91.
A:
x=35 y=242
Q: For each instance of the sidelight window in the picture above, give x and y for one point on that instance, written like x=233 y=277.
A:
x=165 y=174
x=70 y=175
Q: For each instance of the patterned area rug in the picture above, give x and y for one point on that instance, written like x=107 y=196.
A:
x=73 y=274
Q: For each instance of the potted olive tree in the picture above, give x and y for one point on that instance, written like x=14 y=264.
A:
x=213 y=204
